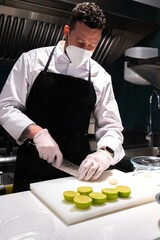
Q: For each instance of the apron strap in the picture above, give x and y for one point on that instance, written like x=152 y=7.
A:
x=89 y=74
x=49 y=59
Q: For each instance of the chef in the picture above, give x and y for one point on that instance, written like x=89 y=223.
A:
x=47 y=100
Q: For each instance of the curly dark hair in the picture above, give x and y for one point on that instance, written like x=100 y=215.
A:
x=88 y=13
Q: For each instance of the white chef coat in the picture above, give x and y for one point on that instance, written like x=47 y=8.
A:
x=22 y=76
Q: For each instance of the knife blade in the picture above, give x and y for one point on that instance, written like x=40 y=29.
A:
x=67 y=167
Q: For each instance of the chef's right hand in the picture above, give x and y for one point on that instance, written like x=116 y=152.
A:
x=47 y=147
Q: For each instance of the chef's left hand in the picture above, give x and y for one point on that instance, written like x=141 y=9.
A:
x=94 y=164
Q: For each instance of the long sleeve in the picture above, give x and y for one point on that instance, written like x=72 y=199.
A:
x=17 y=88
x=108 y=125
x=13 y=99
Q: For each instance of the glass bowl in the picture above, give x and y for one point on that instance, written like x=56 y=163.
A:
x=150 y=163
x=147 y=168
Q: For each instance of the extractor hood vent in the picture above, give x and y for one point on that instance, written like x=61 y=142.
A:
x=29 y=24
x=44 y=34
x=19 y=35
x=11 y=29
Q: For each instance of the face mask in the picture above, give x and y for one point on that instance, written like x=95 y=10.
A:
x=77 y=55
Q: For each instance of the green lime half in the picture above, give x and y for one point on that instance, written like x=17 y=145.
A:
x=123 y=191
x=111 y=193
x=82 y=201
x=69 y=195
x=84 y=190
x=98 y=198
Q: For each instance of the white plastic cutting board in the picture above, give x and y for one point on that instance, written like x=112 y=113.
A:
x=51 y=193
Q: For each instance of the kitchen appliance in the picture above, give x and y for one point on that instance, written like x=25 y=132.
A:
x=51 y=193
x=8 y=151
x=137 y=53
x=148 y=69
x=28 y=24
x=7 y=168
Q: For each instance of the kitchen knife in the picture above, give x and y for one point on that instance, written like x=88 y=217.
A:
x=66 y=165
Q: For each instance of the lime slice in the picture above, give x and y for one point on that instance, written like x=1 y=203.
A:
x=82 y=201
x=98 y=198
x=111 y=193
x=123 y=191
x=84 y=190
x=69 y=195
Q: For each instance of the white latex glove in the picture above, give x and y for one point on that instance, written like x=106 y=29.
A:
x=47 y=147
x=94 y=164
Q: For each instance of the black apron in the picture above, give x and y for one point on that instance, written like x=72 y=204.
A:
x=63 y=105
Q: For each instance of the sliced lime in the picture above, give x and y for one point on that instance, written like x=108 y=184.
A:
x=82 y=201
x=69 y=195
x=98 y=198
x=123 y=191
x=111 y=193
x=84 y=190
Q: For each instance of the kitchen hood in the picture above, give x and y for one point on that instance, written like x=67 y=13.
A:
x=28 y=24
x=148 y=68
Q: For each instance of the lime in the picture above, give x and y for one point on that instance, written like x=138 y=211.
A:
x=111 y=193
x=123 y=191
x=69 y=195
x=98 y=198
x=82 y=201
x=84 y=190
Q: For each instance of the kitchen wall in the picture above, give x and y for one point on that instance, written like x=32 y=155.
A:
x=133 y=100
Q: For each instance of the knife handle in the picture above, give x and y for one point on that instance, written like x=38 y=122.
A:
x=66 y=165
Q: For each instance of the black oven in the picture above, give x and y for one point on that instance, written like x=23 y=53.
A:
x=8 y=150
